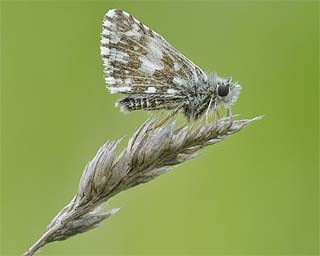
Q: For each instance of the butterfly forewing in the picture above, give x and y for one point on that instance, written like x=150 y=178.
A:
x=137 y=60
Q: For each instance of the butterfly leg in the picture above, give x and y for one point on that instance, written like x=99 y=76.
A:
x=229 y=114
x=216 y=113
x=170 y=115
x=208 y=109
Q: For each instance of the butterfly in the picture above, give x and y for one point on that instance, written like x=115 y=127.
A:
x=141 y=64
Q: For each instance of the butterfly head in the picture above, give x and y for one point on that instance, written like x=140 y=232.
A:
x=227 y=91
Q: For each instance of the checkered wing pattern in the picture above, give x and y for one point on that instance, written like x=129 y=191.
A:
x=138 y=60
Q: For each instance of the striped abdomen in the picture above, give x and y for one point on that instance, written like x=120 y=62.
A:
x=150 y=102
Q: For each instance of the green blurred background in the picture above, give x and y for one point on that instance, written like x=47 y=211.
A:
x=255 y=193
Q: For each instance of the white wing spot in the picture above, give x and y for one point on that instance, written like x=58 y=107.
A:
x=120 y=89
x=134 y=34
x=128 y=81
x=114 y=38
x=155 y=50
x=111 y=13
x=105 y=32
x=152 y=62
x=110 y=80
x=149 y=66
x=171 y=91
x=151 y=90
x=107 y=23
x=179 y=81
x=119 y=81
x=108 y=72
x=106 y=61
x=135 y=27
x=105 y=40
x=176 y=66
x=118 y=56
x=104 y=51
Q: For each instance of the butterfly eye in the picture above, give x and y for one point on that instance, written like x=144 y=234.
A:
x=223 y=90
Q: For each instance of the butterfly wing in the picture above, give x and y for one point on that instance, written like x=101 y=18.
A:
x=138 y=60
